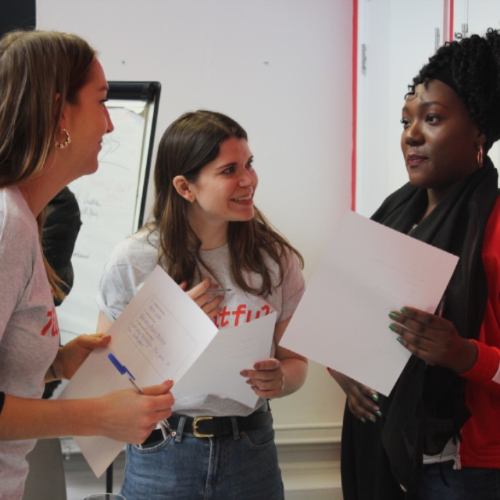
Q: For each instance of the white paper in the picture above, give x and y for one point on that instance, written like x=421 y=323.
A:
x=217 y=370
x=158 y=336
x=368 y=270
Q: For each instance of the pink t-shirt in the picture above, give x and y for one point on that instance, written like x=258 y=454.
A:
x=29 y=334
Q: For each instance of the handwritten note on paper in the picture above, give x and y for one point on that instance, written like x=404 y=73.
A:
x=368 y=270
x=156 y=339
x=148 y=332
x=217 y=370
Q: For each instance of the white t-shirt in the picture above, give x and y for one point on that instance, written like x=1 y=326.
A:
x=29 y=334
x=133 y=260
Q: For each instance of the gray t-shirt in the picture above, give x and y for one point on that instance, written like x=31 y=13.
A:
x=29 y=334
x=133 y=260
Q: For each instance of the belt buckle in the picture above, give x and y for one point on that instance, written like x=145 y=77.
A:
x=195 y=427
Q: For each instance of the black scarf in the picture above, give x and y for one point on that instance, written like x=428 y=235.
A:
x=427 y=406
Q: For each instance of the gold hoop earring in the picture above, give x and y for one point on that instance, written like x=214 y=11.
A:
x=480 y=155
x=66 y=143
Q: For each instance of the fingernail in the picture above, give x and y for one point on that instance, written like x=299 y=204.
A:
x=363 y=420
x=375 y=397
x=372 y=419
x=106 y=337
x=168 y=382
x=394 y=328
x=400 y=340
x=405 y=310
x=393 y=315
x=378 y=413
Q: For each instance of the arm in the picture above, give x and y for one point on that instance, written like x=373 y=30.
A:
x=279 y=376
x=125 y=415
x=436 y=341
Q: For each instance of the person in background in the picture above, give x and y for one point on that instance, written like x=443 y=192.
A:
x=60 y=229
x=437 y=435
x=52 y=120
x=206 y=232
x=59 y=232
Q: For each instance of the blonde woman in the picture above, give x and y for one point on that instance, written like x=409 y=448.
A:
x=52 y=120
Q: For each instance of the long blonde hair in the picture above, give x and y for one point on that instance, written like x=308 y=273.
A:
x=35 y=67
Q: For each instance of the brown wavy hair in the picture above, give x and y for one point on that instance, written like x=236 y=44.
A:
x=189 y=143
x=35 y=66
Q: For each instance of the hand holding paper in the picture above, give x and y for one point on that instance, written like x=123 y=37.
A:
x=163 y=334
x=433 y=339
x=158 y=337
x=266 y=379
x=368 y=270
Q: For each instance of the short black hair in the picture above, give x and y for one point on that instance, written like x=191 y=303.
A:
x=471 y=66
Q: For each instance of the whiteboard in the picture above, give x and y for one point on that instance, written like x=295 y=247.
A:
x=111 y=204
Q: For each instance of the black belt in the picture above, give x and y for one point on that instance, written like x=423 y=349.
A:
x=207 y=427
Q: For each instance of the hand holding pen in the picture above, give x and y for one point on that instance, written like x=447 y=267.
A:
x=208 y=296
x=164 y=424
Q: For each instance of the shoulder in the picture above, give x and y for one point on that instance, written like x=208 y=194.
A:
x=19 y=240
x=130 y=264
x=288 y=260
x=492 y=232
x=491 y=244
x=138 y=248
x=18 y=227
x=131 y=261
x=290 y=267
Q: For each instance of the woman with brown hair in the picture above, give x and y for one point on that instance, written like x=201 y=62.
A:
x=206 y=230
x=52 y=120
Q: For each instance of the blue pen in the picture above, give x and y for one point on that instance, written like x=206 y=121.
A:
x=124 y=370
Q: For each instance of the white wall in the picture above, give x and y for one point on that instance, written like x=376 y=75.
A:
x=399 y=36
x=282 y=68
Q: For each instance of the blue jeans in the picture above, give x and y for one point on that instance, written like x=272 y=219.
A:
x=243 y=466
x=465 y=484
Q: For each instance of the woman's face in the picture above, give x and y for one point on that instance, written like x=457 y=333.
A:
x=439 y=140
x=225 y=187
x=87 y=121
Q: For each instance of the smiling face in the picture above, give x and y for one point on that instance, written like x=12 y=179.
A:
x=225 y=187
x=87 y=120
x=439 y=140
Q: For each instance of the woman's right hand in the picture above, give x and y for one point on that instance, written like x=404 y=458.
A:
x=130 y=417
x=208 y=302
x=361 y=400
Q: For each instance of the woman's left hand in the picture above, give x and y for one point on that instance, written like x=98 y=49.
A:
x=433 y=339
x=266 y=379
x=71 y=356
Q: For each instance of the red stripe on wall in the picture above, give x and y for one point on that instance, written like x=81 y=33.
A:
x=354 y=100
x=452 y=8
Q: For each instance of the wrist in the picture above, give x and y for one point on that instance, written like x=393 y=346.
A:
x=56 y=369
x=467 y=356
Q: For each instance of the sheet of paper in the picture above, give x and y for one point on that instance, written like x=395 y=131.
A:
x=367 y=271
x=158 y=336
x=217 y=370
